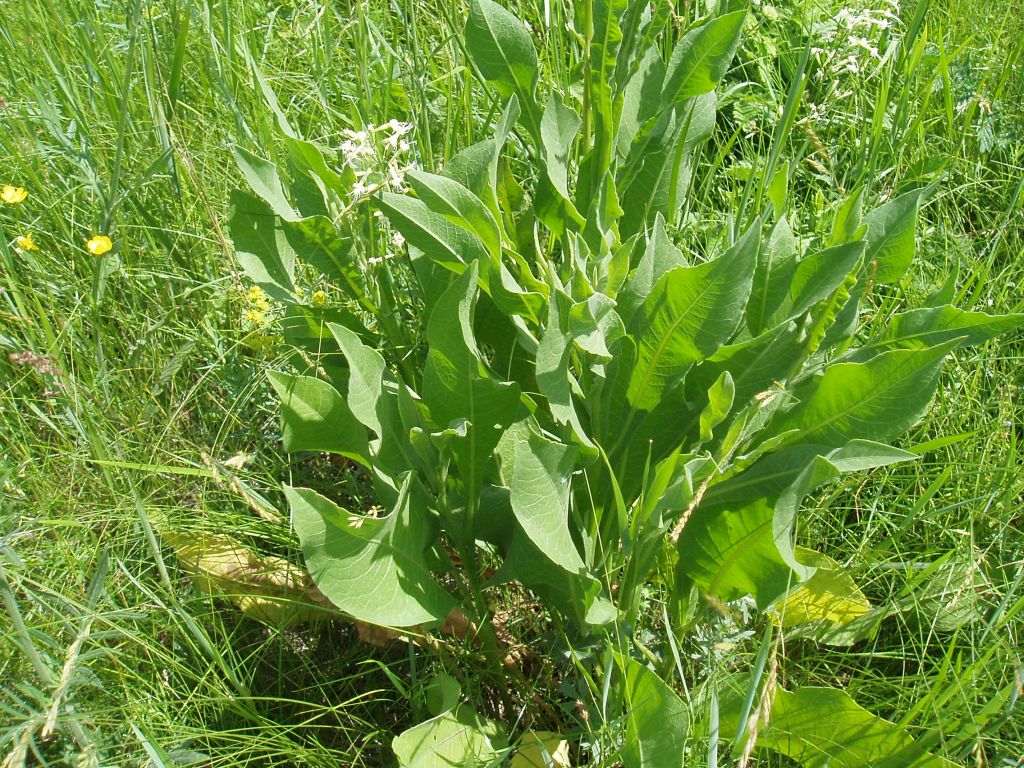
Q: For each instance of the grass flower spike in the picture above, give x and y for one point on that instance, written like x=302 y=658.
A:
x=25 y=242
x=13 y=195
x=98 y=245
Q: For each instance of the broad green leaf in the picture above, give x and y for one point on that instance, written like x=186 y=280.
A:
x=554 y=379
x=539 y=494
x=890 y=236
x=316 y=418
x=702 y=57
x=457 y=389
x=739 y=540
x=755 y=364
x=476 y=166
x=937 y=325
x=576 y=595
x=641 y=99
x=817 y=276
x=442 y=694
x=264 y=179
x=657 y=172
x=776 y=263
x=502 y=49
x=688 y=315
x=446 y=243
x=372 y=568
x=460 y=738
x=366 y=376
x=541 y=749
x=846 y=225
x=659 y=257
x=825 y=728
x=720 y=400
x=558 y=129
x=945 y=596
x=657 y=720
x=261 y=245
x=456 y=203
x=830 y=595
x=317 y=242
x=777 y=190
x=874 y=400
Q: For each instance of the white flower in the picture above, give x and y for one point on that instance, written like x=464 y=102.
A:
x=398 y=239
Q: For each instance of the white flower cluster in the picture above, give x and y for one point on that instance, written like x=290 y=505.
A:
x=376 y=154
x=853 y=37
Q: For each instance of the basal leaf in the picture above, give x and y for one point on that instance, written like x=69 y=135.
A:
x=825 y=728
x=688 y=315
x=558 y=129
x=456 y=203
x=316 y=418
x=459 y=738
x=776 y=263
x=264 y=179
x=937 y=325
x=830 y=595
x=261 y=245
x=890 y=236
x=702 y=57
x=657 y=720
x=875 y=400
x=539 y=493
x=457 y=388
x=372 y=568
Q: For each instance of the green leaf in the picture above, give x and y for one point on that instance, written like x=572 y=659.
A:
x=372 y=568
x=846 y=225
x=825 y=728
x=739 y=539
x=446 y=243
x=317 y=242
x=457 y=388
x=502 y=49
x=316 y=418
x=657 y=172
x=456 y=203
x=874 y=400
x=265 y=181
x=830 y=595
x=659 y=257
x=720 y=400
x=657 y=720
x=776 y=263
x=554 y=379
x=539 y=493
x=702 y=57
x=690 y=313
x=937 y=325
x=558 y=129
x=641 y=100
x=261 y=245
x=817 y=276
x=456 y=739
x=890 y=236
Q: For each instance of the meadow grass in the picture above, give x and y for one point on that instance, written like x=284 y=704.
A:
x=128 y=381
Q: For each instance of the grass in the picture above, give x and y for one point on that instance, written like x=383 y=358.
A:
x=119 y=118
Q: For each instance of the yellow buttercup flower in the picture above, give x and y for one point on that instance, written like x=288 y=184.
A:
x=318 y=299
x=13 y=195
x=257 y=297
x=98 y=245
x=25 y=242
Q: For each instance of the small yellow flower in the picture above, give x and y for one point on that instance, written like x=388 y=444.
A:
x=98 y=245
x=258 y=299
x=25 y=242
x=318 y=299
x=13 y=195
x=255 y=317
